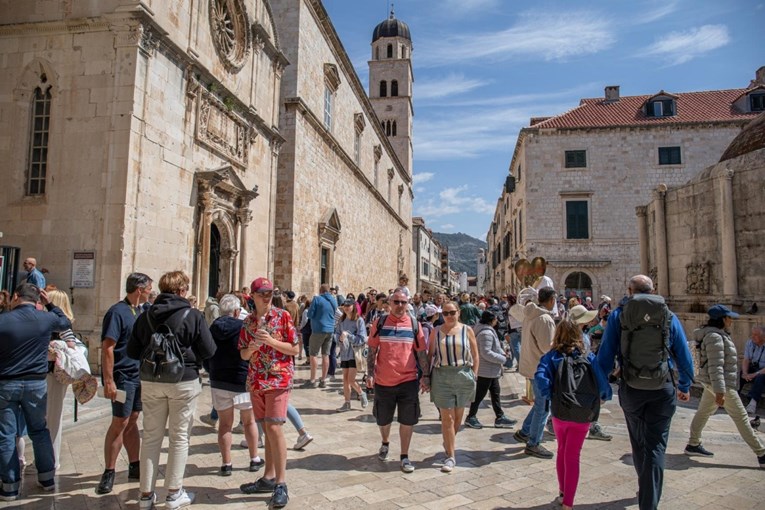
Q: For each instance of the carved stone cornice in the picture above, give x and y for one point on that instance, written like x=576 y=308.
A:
x=641 y=211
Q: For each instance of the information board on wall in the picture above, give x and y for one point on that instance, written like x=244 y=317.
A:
x=84 y=269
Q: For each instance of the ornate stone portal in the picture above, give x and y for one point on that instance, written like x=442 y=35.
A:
x=224 y=214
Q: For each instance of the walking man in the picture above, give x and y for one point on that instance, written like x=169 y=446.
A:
x=25 y=332
x=396 y=346
x=634 y=337
x=322 y=317
x=34 y=276
x=119 y=372
x=538 y=332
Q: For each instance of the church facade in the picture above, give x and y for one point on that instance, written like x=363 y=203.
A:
x=152 y=136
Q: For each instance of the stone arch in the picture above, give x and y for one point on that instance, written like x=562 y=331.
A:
x=571 y=274
x=38 y=73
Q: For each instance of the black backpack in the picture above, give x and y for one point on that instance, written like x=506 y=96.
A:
x=575 y=395
x=645 y=324
x=162 y=359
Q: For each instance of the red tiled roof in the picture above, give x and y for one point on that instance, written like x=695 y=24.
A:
x=692 y=107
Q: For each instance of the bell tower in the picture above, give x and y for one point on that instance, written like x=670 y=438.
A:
x=390 y=85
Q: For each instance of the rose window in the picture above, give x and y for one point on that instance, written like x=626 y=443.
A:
x=230 y=32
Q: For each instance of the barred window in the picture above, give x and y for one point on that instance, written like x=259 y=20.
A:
x=38 y=142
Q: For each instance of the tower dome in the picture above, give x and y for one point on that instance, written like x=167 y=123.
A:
x=391 y=27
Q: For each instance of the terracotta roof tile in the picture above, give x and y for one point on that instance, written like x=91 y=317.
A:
x=709 y=106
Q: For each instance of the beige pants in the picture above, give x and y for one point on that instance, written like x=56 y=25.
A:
x=160 y=402
x=55 y=414
x=735 y=409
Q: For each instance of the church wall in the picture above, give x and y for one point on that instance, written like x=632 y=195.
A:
x=317 y=171
x=622 y=170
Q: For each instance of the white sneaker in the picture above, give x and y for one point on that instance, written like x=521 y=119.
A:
x=752 y=407
x=244 y=444
x=182 y=499
x=303 y=441
x=448 y=465
x=147 y=502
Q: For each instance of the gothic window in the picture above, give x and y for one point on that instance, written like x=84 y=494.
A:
x=394 y=129
x=390 y=51
x=387 y=128
x=38 y=142
x=394 y=88
x=383 y=88
x=328 y=108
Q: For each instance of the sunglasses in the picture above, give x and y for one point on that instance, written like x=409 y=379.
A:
x=397 y=302
x=266 y=294
x=449 y=313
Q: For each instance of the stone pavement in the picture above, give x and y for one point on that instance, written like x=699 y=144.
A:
x=340 y=468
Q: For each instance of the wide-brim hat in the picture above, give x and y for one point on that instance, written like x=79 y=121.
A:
x=581 y=315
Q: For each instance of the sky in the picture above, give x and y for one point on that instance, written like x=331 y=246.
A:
x=483 y=68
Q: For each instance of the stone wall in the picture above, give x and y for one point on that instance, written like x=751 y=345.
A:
x=695 y=233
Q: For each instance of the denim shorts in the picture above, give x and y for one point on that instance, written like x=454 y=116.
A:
x=132 y=403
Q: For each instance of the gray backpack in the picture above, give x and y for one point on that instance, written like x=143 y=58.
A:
x=645 y=323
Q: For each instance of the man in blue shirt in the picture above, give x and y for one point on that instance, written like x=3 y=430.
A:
x=648 y=413
x=119 y=372
x=34 y=276
x=322 y=317
x=25 y=333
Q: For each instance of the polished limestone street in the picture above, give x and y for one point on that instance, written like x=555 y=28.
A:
x=340 y=468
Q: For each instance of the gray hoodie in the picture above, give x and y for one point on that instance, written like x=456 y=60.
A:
x=718 y=359
x=490 y=351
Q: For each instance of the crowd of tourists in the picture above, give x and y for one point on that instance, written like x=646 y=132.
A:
x=392 y=346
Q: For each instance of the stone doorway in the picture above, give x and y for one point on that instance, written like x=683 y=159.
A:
x=578 y=284
x=215 y=252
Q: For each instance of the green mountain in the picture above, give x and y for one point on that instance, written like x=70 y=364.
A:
x=463 y=251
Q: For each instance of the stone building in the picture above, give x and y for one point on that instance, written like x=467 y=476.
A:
x=429 y=274
x=226 y=138
x=344 y=187
x=139 y=136
x=575 y=180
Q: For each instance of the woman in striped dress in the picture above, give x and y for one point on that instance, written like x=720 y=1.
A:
x=454 y=360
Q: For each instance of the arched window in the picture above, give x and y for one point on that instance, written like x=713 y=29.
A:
x=377 y=53
x=382 y=123
x=390 y=51
x=387 y=128
x=394 y=128
x=383 y=88
x=578 y=284
x=403 y=52
x=38 y=142
x=394 y=88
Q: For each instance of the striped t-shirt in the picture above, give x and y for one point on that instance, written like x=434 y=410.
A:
x=453 y=350
x=397 y=344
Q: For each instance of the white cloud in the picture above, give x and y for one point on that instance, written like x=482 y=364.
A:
x=544 y=35
x=447 y=226
x=680 y=47
x=453 y=201
x=655 y=12
x=421 y=177
x=449 y=86
x=463 y=6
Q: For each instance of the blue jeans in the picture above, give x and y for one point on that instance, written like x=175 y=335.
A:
x=515 y=344
x=648 y=414
x=332 y=359
x=758 y=386
x=29 y=399
x=534 y=424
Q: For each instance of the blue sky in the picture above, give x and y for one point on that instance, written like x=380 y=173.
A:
x=483 y=67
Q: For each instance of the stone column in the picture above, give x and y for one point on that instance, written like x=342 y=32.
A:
x=662 y=263
x=204 y=273
x=726 y=226
x=642 y=215
x=245 y=216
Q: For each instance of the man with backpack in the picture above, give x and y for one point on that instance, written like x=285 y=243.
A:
x=648 y=342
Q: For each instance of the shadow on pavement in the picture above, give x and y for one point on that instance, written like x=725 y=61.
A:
x=605 y=505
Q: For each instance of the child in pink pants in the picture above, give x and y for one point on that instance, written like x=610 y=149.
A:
x=572 y=411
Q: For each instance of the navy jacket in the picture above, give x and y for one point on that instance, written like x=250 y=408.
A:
x=25 y=333
x=228 y=371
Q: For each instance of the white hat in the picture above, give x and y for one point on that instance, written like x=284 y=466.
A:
x=581 y=315
x=527 y=295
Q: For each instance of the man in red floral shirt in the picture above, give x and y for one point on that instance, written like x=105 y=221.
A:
x=268 y=341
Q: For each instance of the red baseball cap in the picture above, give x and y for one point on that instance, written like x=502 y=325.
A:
x=261 y=284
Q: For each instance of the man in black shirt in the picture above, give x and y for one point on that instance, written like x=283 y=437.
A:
x=119 y=372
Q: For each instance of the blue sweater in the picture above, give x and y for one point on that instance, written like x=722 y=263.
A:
x=548 y=367
x=322 y=313
x=610 y=349
x=25 y=333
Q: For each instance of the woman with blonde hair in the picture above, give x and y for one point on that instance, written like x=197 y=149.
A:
x=453 y=355
x=57 y=390
x=572 y=411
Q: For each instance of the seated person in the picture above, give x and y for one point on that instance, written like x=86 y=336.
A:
x=753 y=367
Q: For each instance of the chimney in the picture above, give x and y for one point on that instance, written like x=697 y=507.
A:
x=612 y=93
x=759 y=78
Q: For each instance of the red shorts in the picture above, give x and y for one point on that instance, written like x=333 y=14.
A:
x=270 y=405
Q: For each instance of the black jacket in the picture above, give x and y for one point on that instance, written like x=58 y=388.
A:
x=228 y=371
x=192 y=333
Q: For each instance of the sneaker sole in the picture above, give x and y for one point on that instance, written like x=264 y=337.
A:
x=537 y=455
x=696 y=454
x=303 y=445
x=596 y=438
x=504 y=426
x=475 y=427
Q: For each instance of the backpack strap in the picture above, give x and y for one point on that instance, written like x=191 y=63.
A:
x=153 y=328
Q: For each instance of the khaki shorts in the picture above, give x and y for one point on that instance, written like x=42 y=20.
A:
x=224 y=399
x=319 y=342
x=452 y=387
